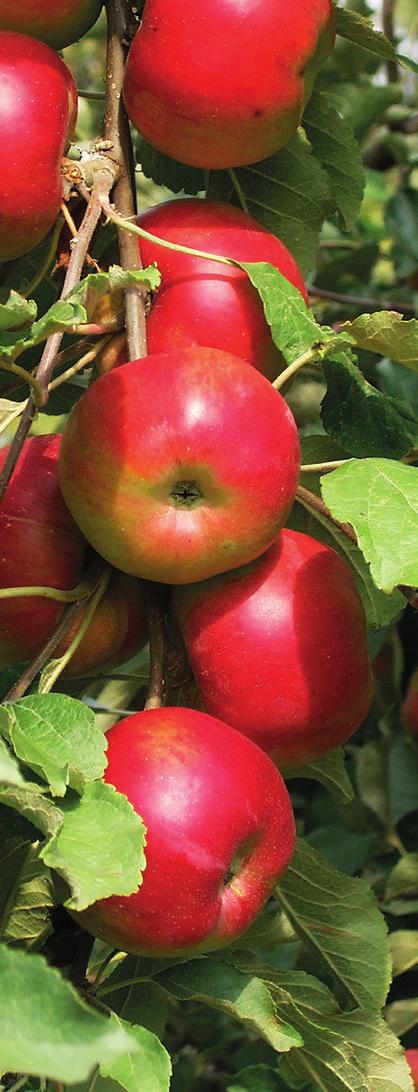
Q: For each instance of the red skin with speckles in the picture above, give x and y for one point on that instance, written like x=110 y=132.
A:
x=38 y=110
x=116 y=632
x=412 y=1059
x=59 y=23
x=40 y=545
x=205 y=303
x=279 y=649
x=180 y=465
x=410 y=706
x=207 y=796
x=224 y=84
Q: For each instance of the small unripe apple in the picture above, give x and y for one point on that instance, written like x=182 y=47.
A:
x=116 y=632
x=412 y=1059
x=220 y=831
x=40 y=546
x=278 y=649
x=410 y=705
x=38 y=110
x=59 y=23
x=180 y=465
x=224 y=84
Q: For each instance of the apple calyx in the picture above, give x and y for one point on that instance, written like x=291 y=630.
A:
x=186 y=494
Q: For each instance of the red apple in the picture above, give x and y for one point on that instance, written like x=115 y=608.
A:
x=40 y=546
x=38 y=110
x=410 y=705
x=279 y=649
x=205 y=303
x=220 y=831
x=412 y=1059
x=116 y=632
x=181 y=465
x=225 y=84
x=59 y=23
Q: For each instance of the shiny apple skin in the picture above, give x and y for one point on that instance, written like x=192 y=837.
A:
x=410 y=706
x=205 y=303
x=116 y=632
x=224 y=84
x=40 y=545
x=38 y=110
x=141 y=435
x=206 y=794
x=412 y=1059
x=58 y=23
x=279 y=650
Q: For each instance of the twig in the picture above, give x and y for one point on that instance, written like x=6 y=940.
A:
x=29 y=674
x=322 y=468
x=315 y=504
x=360 y=301
x=116 y=131
x=388 y=8
x=102 y=183
x=155 y=621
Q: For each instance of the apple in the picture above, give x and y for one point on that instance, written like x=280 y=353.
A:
x=220 y=831
x=38 y=110
x=181 y=465
x=116 y=632
x=225 y=84
x=410 y=705
x=278 y=649
x=40 y=546
x=59 y=23
x=412 y=1059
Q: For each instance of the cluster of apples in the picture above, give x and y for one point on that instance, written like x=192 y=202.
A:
x=182 y=469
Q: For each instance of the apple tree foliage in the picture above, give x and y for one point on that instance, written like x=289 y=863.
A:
x=319 y=991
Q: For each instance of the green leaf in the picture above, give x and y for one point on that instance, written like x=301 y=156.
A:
x=165 y=171
x=403 y=777
x=29 y=801
x=142 y=1002
x=330 y=771
x=103 y=827
x=378 y=496
x=289 y=194
x=57 y=737
x=293 y=326
x=365 y=421
x=404 y=950
x=9 y=769
x=17 y=312
x=381 y=609
x=339 y=919
x=388 y=334
x=338 y=152
x=356 y=28
x=45 y=1029
x=145 y=1069
x=402 y=1016
x=96 y=285
x=256 y=1078
x=403 y=880
x=243 y=996
x=8 y=412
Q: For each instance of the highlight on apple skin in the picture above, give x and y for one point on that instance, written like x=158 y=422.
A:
x=58 y=23
x=220 y=832
x=41 y=546
x=225 y=84
x=193 y=475
x=35 y=85
x=278 y=649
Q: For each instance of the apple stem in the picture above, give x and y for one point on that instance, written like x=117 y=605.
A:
x=55 y=669
x=310 y=357
x=323 y=468
x=134 y=229
x=313 y=503
x=157 y=641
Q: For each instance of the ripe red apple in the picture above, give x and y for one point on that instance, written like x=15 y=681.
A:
x=59 y=23
x=40 y=546
x=410 y=705
x=38 y=110
x=205 y=303
x=279 y=649
x=220 y=831
x=412 y=1059
x=225 y=84
x=181 y=465
x=116 y=632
